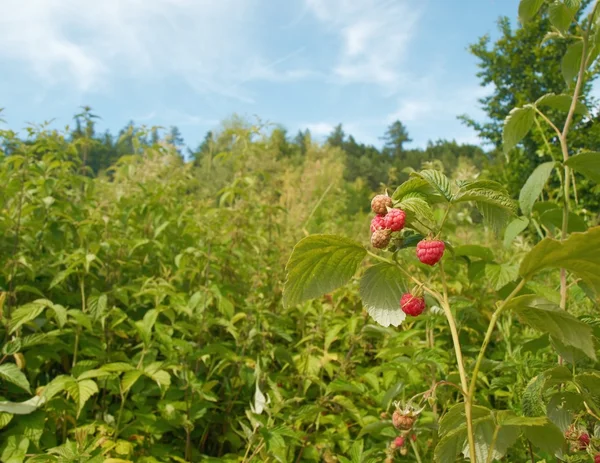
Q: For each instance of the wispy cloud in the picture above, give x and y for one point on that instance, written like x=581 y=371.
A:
x=210 y=45
x=375 y=36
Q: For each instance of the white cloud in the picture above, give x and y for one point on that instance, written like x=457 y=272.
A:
x=319 y=129
x=209 y=44
x=375 y=37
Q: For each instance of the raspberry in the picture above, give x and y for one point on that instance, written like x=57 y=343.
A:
x=394 y=220
x=584 y=441
x=398 y=442
x=414 y=437
x=430 y=251
x=402 y=421
x=597 y=458
x=381 y=238
x=380 y=203
x=412 y=305
x=377 y=223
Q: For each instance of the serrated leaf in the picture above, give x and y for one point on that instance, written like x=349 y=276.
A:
x=514 y=229
x=587 y=164
x=415 y=205
x=516 y=125
x=528 y=9
x=499 y=275
x=438 y=181
x=547 y=317
x=117 y=367
x=130 y=378
x=571 y=61
x=56 y=386
x=534 y=186
x=579 y=253
x=412 y=185
x=11 y=373
x=548 y=437
x=318 y=265
x=561 y=16
x=15 y=449
x=26 y=313
x=381 y=288
x=510 y=418
x=81 y=391
x=561 y=102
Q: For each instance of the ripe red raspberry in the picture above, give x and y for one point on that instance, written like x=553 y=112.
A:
x=394 y=220
x=381 y=238
x=380 y=203
x=430 y=251
x=597 y=458
x=403 y=422
x=584 y=441
x=412 y=305
x=377 y=222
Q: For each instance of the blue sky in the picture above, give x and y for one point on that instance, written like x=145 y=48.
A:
x=301 y=63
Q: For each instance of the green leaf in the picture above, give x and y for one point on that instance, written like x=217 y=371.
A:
x=528 y=9
x=22 y=408
x=499 y=275
x=11 y=373
x=561 y=16
x=509 y=418
x=494 y=198
x=26 y=313
x=319 y=264
x=547 y=317
x=415 y=205
x=381 y=288
x=514 y=229
x=412 y=185
x=579 y=253
x=532 y=399
x=5 y=419
x=15 y=449
x=474 y=250
x=587 y=164
x=516 y=125
x=548 y=437
x=130 y=378
x=561 y=102
x=81 y=391
x=534 y=186
x=571 y=61
x=553 y=218
x=438 y=181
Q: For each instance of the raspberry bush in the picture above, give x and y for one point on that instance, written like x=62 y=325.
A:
x=414 y=224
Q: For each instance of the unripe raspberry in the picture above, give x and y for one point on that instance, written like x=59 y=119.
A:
x=403 y=422
x=412 y=305
x=380 y=203
x=397 y=442
x=377 y=223
x=584 y=441
x=414 y=437
x=394 y=220
x=403 y=451
x=381 y=238
x=430 y=251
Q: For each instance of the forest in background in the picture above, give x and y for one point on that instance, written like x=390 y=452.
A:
x=141 y=288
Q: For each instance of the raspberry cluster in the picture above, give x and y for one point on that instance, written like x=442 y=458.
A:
x=429 y=251
x=386 y=221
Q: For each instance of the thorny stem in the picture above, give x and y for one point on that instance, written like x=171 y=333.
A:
x=565 y=148
x=459 y=360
